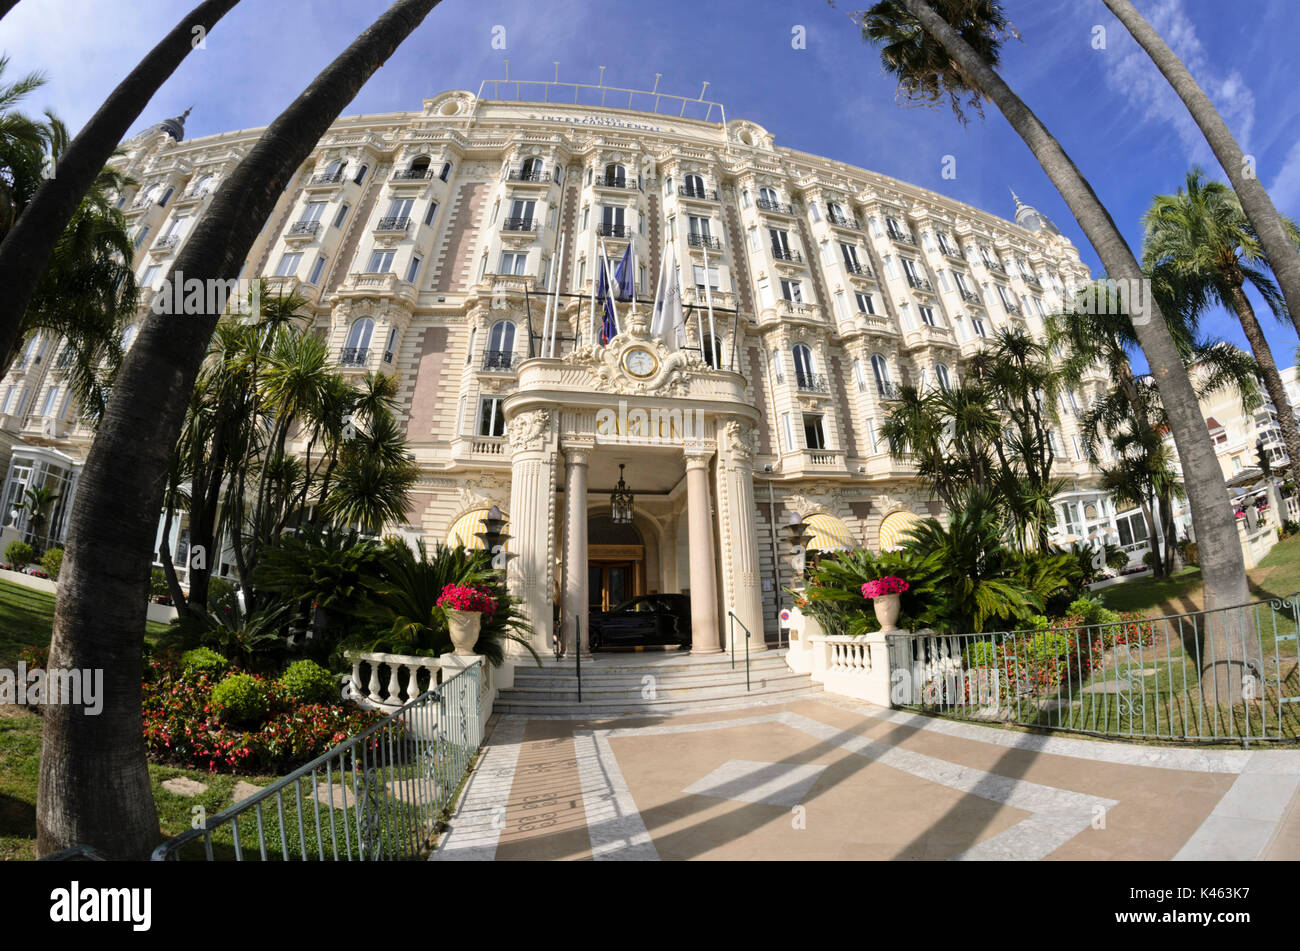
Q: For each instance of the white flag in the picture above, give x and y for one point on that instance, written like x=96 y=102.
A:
x=674 y=321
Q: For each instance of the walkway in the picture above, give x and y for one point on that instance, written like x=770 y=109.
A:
x=827 y=778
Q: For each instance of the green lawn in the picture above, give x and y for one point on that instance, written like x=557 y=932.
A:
x=27 y=620
x=1276 y=576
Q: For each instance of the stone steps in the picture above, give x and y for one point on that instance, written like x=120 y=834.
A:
x=614 y=685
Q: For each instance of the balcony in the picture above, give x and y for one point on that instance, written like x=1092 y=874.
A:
x=354 y=356
x=613 y=231
x=520 y=224
x=412 y=175
x=948 y=251
x=785 y=254
x=840 y=221
x=303 y=228
x=470 y=445
x=704 y=241
x=609 y=181
x=400 y=225
x=1012 y=309
x=900 y=237
x=919 y=283
x=780 y=208
x=533 y=176
x=811 y=383
x=969 y=297
x=498 y=361
x=166 y=243
x=886 y=390
x=388 y=357
x=994 y=266
x=326 y=178
x=701 y=194
x=366 y=284
x=823 y=458
x=1032 y=280
x=859 y=270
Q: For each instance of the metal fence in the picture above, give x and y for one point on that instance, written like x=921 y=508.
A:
x=1227 y=675
x=377 y=795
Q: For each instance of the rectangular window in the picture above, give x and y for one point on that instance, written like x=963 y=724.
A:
x=341 y=216
x=789 y=431
x=141 y=235
x=812 y=210
x=874 y=227
x=313 y=211
x=813 y=435
x=841 y=306
x=381 y=262
x=890 y=269
x=513 y=262
x=943 y=281
x=289 y=265
x=850 y=253
x=753 y=239
x=150 y=273
x=780 y=242
x=491 y=417
x=432 y=213
x=413 y=271
x=317 y=270
x=791 y=290
x=699 y=277
x=927 y=317
x=699 y=226
x=865 y=305
x=400 y=208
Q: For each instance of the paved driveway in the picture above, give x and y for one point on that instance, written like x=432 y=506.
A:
x=827 y=778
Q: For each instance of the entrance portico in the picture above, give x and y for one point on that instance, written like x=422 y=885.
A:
x=685 y=435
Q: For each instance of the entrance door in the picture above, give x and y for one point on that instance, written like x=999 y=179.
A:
x=609 y=585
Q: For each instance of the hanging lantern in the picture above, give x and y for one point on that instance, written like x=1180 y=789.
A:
x=620 y=502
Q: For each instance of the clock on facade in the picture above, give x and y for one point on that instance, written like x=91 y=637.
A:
x=640 y=362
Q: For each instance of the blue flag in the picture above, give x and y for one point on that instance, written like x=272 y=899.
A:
x=624 y=278
x=607 y=326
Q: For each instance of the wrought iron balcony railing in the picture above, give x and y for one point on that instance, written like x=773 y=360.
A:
x=841 y=222
x=779 y=207
x=785 y=254
x=969 y=297
x=920 y=283
x=703 y=194
x=327 y=178
x=901 y=238
x=167 y=241
x=518 y=175
x=519 y=224
x=811 y=383
x=886 y=389
x=498 y=361
x=393 y=224
x=354 y=356
x=994 y=266
x=704 y=241
x=304 y=227
x=412 y=175
x=612 y=181
x=613 y=231
x=859 y=269
x=388 y=356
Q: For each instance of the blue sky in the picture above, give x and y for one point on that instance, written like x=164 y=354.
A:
x=1110 y=109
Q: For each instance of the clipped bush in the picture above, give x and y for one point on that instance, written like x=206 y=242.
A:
x=51 y=562
x=1149 y=559
x=205 y=660
x=306 y=681
x=241 y=699
x=19 y=554
x=982 y=654
x=158 y=584
x=1047 y=645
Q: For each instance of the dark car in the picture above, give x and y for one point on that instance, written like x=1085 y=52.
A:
x=647 y=620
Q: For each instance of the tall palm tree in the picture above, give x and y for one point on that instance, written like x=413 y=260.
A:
x=1276 y=237
x=26 y=249
x=23 y=141
x=94 y=782
x=955 y=54
x=1203 y=235
x=6 y=6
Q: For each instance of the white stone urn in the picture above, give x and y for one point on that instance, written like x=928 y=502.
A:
x=464 y=628
x=887 y=607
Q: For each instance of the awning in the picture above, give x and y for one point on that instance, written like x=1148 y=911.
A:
x=829 y=534
x=464 y=529
x=895 y=527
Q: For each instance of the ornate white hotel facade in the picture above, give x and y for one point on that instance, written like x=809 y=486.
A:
x=422 y=241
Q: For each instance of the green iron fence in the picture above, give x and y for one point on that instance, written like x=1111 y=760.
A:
x=378 y=795
x=1228 y=675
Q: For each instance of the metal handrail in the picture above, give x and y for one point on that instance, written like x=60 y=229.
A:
x=429 y=743
x=731 y=636
x=577 y=652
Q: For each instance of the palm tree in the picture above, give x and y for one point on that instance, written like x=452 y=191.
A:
x=94 y=783
x=26 y=249
x=1276 y=235
x=23 y=142
x=6 y=6
x=1202 y=235
x=954 y=54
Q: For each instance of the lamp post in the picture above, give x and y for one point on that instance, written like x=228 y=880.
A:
x=797 y=532
x=494 y=538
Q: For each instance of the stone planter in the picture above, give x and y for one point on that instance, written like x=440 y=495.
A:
x=887 y=607
x=464 y=627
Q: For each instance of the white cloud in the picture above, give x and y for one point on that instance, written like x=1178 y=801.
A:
x=1285 y=190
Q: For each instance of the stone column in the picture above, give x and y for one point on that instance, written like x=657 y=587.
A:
x=742 y=578
x=704 y=591
x=532 y=500
x=575 y=545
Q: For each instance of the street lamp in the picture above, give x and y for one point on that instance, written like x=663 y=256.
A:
x=620 y=501
x=797 y=532
x=494 y=537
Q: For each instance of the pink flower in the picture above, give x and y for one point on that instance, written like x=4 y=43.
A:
x=882 y=586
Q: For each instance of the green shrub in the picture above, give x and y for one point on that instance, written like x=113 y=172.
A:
x=205 y=660
x=1047 y=645
x=51 y=562
x=19 y=554
x=1149 y=559
x=1093 y=611
x=982 y=654
x=222 y=599
x=158 y=584
x=1039 y=622
x=1291 y=527
x=308 y=682
x=241 y=699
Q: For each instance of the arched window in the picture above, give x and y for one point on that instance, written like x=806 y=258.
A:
x=835 y=210
x=419 y=166
x=532 y=169
x=768 y=196
x=358 y=345
x=615 y=174
x=803 y=371
x=712 y=351
x=167 y=196
x=695 y=186
x=361 y=174
x=501 y=345
x=205 y=185
x=334 y=169
x=941 y=372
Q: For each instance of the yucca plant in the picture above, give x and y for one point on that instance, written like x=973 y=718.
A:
x=834 y=592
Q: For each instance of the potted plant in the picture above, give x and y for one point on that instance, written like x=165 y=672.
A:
x=884 y=594
x=465 y=606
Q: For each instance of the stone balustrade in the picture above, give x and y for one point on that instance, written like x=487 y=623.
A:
x=383 y=687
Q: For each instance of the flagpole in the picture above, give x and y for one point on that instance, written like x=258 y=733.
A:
x=594 y=255
x=708 y=297
x=555 y=313
x=546 y=316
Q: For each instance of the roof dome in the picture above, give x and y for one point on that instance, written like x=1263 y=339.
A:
x=175 y=127
x=1031 y=219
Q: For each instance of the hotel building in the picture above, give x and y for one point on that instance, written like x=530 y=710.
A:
x=424 y=243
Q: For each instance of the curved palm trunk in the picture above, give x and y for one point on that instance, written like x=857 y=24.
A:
x=26 y=249
x=94 y=782
x=1268 y=370
x=1282 y=254
x=6 y=6
x=1223 y=567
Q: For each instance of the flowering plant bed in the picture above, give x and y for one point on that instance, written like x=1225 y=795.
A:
x=457 y=597
x=882 y=586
